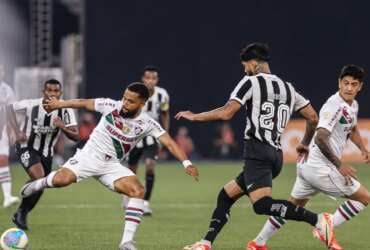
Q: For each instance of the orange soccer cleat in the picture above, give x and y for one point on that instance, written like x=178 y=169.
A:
x=334 y=244
x=198 y=246
x=252 y=245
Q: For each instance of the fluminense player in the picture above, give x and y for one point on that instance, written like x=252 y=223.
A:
x=6 y=97
x=158 y=108
x=269 y=101
x=121 y=127
x=324 y=171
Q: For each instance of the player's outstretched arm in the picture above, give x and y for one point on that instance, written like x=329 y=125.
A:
x=179 y=154
x=356 y=138
x=13 y=124
x=224 y=113
x=312 y=119
x=53 y=104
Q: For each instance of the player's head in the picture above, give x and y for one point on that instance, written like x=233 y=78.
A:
x=2 y=72
x=254 y=56
x=52 y=89
x=350 y=81
x=134 y=98
x=150 y=76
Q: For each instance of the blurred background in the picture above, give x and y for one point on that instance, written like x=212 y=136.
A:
x=97 y=47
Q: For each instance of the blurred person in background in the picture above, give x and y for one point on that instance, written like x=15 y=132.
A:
x=36 y=139
x=6 y=97
x=158 y=108
x=184 y=141
x=225 y=143
x=86 y=126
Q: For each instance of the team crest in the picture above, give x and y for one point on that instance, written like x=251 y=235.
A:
x=125 y=129
x=346 y=117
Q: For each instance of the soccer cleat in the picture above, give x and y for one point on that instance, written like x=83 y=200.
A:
x=252 y=245
x=20 y=220
x=334 y=244
x=10 y=201
x=129 y=245
x=28 y=189
x=325 y=228
x=147 y=210
x=198 y=246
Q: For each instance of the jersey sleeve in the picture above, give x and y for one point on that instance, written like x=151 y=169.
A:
x=105 y=105
x=243 y=91
x=165 y=103
x=155 y=129
x=330 y=114
x=300 y=102
x=69 y=118
x=11 y=97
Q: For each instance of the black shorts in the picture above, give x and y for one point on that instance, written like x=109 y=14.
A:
x=262 y=163
x=146 y=152
x=29 y=157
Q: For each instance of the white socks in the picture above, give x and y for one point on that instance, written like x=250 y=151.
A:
x=5 y=181
x=347 y=211
x=134 y=212
x=272 y=225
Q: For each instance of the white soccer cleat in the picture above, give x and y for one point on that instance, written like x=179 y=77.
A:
x=198 y=246
x=147 y=211
x=28 y=189
x=129 y=245
x=325 y=229
x=10 y=201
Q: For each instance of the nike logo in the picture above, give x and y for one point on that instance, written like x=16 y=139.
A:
x=249 y=186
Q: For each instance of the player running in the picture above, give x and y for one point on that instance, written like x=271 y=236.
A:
x=120 y=128
x=37 y=137
x=269 y=101
x=324 y=171
x=6 y=97
x=158 y=108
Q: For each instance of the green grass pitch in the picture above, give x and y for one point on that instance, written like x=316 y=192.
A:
x=88 y=216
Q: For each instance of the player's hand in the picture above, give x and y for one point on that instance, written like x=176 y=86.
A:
x=302 y=151
x=188 y=115
x=58 y=123
x=52 y=104
x=192 y=171
x=365 y=156
x=348 y=172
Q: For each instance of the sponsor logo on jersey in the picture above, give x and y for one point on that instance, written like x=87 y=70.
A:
x=43 y=129
x=120 y=137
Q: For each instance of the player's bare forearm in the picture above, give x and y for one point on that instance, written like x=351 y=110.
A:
x=312 y=120
x=11 y=119
x=165 y=120
x=172 y=147
x=88 y=104
x=322 y=141
x=357 y=139
x=71 y=133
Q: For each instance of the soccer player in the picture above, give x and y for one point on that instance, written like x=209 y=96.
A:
x=39 y=133
x=158 y=108
x=324 y=171
x=269 y=101
x=122 y=125
x=6 y=97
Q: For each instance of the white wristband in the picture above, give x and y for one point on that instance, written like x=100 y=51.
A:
x=186 y=163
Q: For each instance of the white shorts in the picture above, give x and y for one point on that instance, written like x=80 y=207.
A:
x=312 y=180
x=4 y=143
x=85 y=164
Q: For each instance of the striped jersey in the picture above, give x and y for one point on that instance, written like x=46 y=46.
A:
x=157 y=103
x=270 y=102
x=115 y=136
x=39 y=126
x=6 y=97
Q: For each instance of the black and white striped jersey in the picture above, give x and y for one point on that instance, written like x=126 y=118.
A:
x=270 y=102
x=39 y=125
x=157 y=103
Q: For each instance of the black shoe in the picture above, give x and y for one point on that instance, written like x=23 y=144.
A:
x=20 y=220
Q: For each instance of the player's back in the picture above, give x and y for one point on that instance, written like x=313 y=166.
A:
x=270 y=102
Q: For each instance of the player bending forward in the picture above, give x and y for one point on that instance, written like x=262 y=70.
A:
x=323 y=171
x=120 y=128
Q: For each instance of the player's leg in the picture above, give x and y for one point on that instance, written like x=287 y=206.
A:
x=150 y=156
x=5 y=175
x=133 y=164
x=230 y=193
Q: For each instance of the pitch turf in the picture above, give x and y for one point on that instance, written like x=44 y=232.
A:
x=88 y=216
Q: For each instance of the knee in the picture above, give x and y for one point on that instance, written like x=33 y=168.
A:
x=366 y=199
x=137 y=191
x=262 y=205
x=150 y=165
x=61 y=180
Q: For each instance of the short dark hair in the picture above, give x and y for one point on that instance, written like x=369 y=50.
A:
x=139 y=88
x=52 y=81
x=149 y=68
x=256 y=51
x=355 y=71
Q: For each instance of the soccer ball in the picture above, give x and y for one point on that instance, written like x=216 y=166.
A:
x=14 y=238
